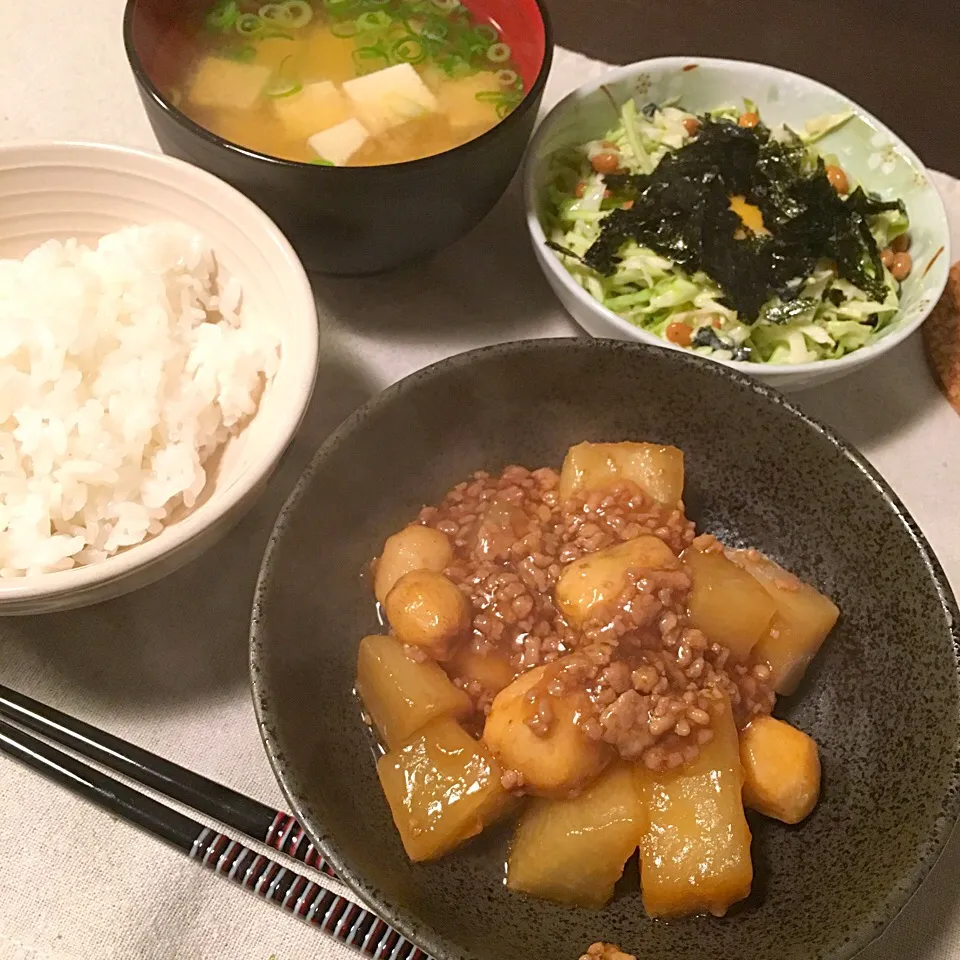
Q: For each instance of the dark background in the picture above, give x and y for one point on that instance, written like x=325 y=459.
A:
x=900 y=59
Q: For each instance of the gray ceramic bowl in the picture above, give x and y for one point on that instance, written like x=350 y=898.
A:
x=882 y=698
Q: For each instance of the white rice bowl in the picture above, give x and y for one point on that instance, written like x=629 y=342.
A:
x=123 y=370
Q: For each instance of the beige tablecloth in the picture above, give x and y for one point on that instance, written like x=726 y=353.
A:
x=166 y=668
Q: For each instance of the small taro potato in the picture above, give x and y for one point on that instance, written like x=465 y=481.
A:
x=695 y=857
x=726 y=602
x=781 y=770
x=443 y=787
x=573 y=851
x=426 y=610
x=413 y=548
x=655 y=469
x=589 y=584
x=803 y=619
x=557 y=763
x=400 y=694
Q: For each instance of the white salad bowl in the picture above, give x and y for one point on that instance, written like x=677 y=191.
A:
x=63 y=190
x=863 y=146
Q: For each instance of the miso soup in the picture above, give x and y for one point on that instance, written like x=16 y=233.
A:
x=347 y=82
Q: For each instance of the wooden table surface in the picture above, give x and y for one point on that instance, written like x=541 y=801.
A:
x=898 y=59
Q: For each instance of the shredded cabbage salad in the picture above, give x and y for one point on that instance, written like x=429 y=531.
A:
x=825 y=318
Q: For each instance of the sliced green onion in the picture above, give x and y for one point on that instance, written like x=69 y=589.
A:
x=279 y=89
x=370 y=59
x=299 y=13
x=374 y=21
x=455 y=66
x=344 y=29
x=272 y=12
x=320 y=162
x=507 y=78
x=488 y=32
x=498 y=53
x=409 y=50
x=505 y=109
x=337 y=6
x=223 y=16
x=371 y=38
x=447 y=4
x=244 y=54
x=282 y=85
x=490 y=96
x=434 y=29
x=248 y=24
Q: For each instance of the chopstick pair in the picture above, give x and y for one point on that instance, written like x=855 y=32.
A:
x=306 y=899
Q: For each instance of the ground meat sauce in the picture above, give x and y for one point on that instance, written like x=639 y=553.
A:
x=645 y=677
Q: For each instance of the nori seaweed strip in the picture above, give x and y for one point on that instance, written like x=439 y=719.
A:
x=682 y=211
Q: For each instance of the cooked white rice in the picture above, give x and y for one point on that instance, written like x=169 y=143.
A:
x=122 y=369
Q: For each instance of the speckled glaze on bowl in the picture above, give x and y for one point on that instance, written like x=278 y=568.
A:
x=872 y=153
x=882 y=699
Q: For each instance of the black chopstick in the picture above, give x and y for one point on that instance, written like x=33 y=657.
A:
x=258 y=821
x=306 y=899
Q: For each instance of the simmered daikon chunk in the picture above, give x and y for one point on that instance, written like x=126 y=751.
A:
x=555 y=760
x=589 y=585
x=656 y=469
x=726 y=602
x=573 y=851
x=443 y=787
x=803 y=619
x=781 y=770
x=400 y=694
x=695 y=856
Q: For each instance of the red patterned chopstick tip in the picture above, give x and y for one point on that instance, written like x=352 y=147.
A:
x=287 y=835
x=335 y=915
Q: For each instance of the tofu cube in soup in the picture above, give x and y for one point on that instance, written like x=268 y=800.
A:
x=227 y=84
x=390 y=97
x=726 y=602
x=415 y=547
x=537 y=735
x=458 y=100
x=804 y=617
x=695 y=856
x=317 y=107
x=338 y=144
x=589 y=586
x=427 y=610
x=781 y=770
x=400 y=694
x=656 y=469
x=573 y=851
x=443 y=787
